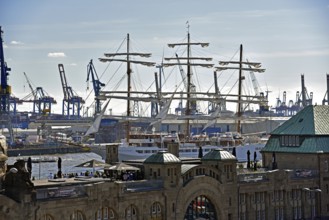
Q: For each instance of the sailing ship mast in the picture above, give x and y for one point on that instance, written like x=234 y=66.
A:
x=252 y=66
x=129 y=61
x=188 y=63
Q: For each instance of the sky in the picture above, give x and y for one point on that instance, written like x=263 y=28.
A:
x=289 y=38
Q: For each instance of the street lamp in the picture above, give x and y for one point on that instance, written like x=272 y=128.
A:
x=313 y=200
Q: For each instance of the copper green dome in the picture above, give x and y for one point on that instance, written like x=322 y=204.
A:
x=162 y=157
x=218 y=154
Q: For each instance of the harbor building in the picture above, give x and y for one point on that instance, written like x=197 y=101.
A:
x=292 y=182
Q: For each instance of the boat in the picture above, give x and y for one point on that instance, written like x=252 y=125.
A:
x=142 y=144
x=39 y=159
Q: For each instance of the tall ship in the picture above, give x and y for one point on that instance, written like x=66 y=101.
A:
x=141 y=143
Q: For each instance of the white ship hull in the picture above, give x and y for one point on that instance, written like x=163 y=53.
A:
x=139 y=153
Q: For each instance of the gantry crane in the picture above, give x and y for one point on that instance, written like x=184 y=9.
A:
x=91 y=71
x=324 y=101
x=72 y=103
x=41 y=100
x=5 y=88
x=307 y=99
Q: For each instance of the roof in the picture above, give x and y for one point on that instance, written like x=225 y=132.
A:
x=312 y=120
x=162 y=157
x=218 y=155
x=187 y=167
x=309 y=145
x=311 y=125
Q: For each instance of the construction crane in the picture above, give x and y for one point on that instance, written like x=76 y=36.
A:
x=91 y=71
x=42 y=102
x=72 y=103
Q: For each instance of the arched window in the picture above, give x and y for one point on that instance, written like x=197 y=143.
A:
x=77 y=215
x=112 y=215
x=156 y=211
x=105 y=214
x=200 y=207
x=131 y=213
x=47 y=217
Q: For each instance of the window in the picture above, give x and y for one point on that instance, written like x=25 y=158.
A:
x=112 y=215
x=156 y=210
x=290 y=140
x=77 y=215
x=48 y=217
x=131 y=212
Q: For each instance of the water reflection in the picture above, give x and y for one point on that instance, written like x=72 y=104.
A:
x=44 y=170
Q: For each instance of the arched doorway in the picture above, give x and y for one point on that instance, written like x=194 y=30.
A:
x=200 y=208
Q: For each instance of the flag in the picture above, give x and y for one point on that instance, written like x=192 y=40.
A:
x=95 y=126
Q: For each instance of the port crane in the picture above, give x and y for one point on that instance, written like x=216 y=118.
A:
x=263 y=106
x=72 y=103
x=5 y=88
x=7 y=101
x=97 y=85
x=183 y=75
x=324 y=101
x=42 y=102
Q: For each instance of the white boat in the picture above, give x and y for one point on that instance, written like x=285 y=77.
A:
x=143 y=145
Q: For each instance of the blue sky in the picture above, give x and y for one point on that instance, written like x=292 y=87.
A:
x=289 y=38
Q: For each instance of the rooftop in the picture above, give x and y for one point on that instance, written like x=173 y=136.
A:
x=312 y=120
x=218 y=154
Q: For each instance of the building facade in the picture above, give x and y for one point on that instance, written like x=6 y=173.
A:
x=290 y=183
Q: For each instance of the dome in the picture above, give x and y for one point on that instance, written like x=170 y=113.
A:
x=162 y=157
x=218 y=155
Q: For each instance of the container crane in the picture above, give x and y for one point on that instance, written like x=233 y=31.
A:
x=5 y=88
x=307 y=99
x=72 y=103
x=42 y=102
x=324 y=101
x=91 y=71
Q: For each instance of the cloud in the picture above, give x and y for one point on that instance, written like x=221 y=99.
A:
x=14 y=42
x=56 y=54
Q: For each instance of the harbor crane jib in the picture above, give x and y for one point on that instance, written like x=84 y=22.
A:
x=97 y=85
x=5 y=89
x=42 y=102
x=72 y=103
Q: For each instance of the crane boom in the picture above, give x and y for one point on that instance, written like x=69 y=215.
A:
x=91 y=71
x=71 y=102
x=182 y=73
x=30 y=85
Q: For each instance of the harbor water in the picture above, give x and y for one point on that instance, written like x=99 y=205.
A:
x=44 y=170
